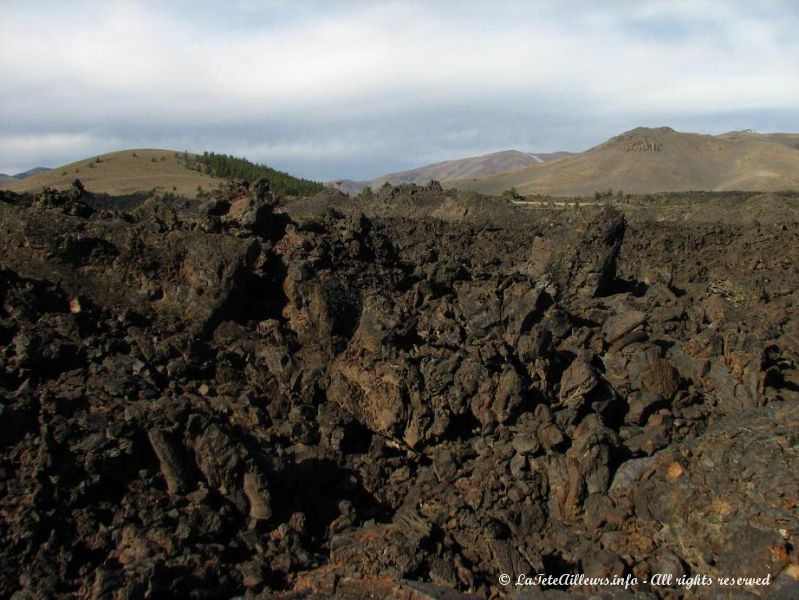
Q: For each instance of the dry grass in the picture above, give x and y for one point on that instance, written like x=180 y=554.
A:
x=125 y=172
x=655 y=160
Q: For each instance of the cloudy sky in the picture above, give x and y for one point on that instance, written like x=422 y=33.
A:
x=334 y=89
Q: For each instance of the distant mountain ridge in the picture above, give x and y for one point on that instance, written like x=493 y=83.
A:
x=786 y=139
x=473 y=166
x=645 y=160
x=642 y=160
x=20 y=176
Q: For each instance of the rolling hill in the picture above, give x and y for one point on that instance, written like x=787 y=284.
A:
x=646 y=160
x=124 y=172
x=475 y=166
x=182 y=173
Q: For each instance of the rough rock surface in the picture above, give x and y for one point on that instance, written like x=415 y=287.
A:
x=403 y=397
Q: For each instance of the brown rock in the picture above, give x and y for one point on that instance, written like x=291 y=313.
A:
x=674 y=471
x=520 y=302
x=661 y=378
x=590 y=270
x=620 y=325
x=578 y=380
x=173 y=464
x=257 y=493
x=508 y=396
x=641 y=405
x=480 y=305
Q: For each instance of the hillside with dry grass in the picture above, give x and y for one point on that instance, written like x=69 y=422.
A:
x=126 y=172
x=646 y=160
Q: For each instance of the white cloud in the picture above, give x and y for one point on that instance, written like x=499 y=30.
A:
x=116 y=66
x=21 y=152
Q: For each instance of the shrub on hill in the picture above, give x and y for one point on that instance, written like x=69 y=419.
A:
x=231 y=167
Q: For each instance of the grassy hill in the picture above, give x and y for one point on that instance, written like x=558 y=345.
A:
x=125 y=172
x=647 y=160
x=181 y=173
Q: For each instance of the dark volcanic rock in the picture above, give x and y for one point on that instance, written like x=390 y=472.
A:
x=589 y=268
x=399 y=397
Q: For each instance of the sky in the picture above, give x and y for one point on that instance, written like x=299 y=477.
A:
x=354 y=89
